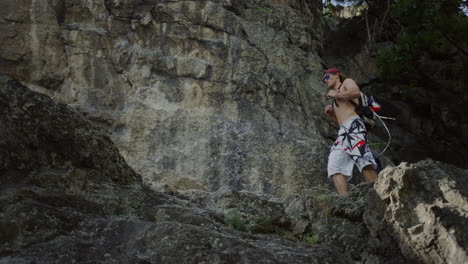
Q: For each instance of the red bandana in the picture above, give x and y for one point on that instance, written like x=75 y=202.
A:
x=332 y=70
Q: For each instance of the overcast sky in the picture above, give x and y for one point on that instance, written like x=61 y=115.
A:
x=336 y=3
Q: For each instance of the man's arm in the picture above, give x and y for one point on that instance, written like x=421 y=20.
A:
x=348 y=91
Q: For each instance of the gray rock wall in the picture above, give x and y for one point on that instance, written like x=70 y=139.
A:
x=425 y=209
x=226 y=93
x=67 y=196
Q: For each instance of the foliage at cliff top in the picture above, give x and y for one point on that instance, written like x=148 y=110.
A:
x=434 y=29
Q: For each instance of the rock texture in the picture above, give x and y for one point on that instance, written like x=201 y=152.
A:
x=58 y=204
x=426 y=208
x=223 y=93
x=415 y=213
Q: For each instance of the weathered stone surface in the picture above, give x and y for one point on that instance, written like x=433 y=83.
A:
x=36 y=133
x=416 y=214
x=55 y=208
x=198 y=96
x=426 y=206
x=227 y=93
x=67 y=197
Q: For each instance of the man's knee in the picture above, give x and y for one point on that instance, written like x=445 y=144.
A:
x=340 y=183
x=337 y=176
x=339 y=179
x=369 y=167
x=369 y=173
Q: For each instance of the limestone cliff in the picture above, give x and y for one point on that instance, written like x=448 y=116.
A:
x=221 y=93
x=66 y=195
x=218 y=105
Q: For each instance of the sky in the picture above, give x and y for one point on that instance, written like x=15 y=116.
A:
x=336 y=3
x=464 y=9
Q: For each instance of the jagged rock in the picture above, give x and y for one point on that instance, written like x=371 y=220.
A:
x=416 y=214
x=227 y=93
x=64 y=198
x=223 y=93
x=340 y=221
x=425 y=206
x=56 y=208
x=36 y=133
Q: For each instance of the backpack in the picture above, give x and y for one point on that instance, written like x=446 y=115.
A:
x=367 y=109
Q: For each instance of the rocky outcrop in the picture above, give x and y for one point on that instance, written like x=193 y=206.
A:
x=59 y=205
x=425 y=206
x=224 y=93
x=37 y=133
x=67 y=196
x=415 y=213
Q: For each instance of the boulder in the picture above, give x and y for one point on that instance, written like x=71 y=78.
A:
x=424 y=207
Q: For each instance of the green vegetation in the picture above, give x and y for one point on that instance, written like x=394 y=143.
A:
x=261 y=9
x=320 y=198
x=425 y=55
x=326 y=11
x=264 y=225
x=250 y=223
x=428 y=29
x=235 y=220
x=429 y=55
x=311 y=238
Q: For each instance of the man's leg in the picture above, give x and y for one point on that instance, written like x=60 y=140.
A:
x=369 y=173
x=340 y=183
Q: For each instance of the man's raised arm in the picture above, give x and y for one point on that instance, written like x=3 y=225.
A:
x=348 y=91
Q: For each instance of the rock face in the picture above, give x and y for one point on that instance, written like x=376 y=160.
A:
x=59 y=205
x=415 y=213
x=426 y=208
x=36 y=133
x=224 y=93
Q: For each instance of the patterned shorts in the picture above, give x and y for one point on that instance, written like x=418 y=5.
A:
x=349 y=149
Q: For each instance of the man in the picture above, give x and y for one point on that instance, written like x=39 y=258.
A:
x=350 y=148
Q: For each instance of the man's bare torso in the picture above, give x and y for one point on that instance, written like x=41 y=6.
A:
x=344 y=110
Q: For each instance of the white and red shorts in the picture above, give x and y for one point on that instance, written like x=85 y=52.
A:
x=349 y=149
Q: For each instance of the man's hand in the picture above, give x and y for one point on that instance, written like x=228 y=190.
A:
x=332 y=94
x=330 y=114
x=328 y=110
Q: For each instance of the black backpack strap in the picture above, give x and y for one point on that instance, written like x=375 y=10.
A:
x=334 y=100
x=357 y=106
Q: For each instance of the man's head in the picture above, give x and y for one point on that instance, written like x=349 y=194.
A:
x=331 y=77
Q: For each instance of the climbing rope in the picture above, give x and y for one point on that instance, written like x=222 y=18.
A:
x=388 y=131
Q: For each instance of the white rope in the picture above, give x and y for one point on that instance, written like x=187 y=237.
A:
x=386 y=117
x=388 y=131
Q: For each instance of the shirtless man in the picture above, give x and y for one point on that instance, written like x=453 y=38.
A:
x=350 y=148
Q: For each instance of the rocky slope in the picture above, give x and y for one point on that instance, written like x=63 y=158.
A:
x=218 y=104
x=68 y=196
